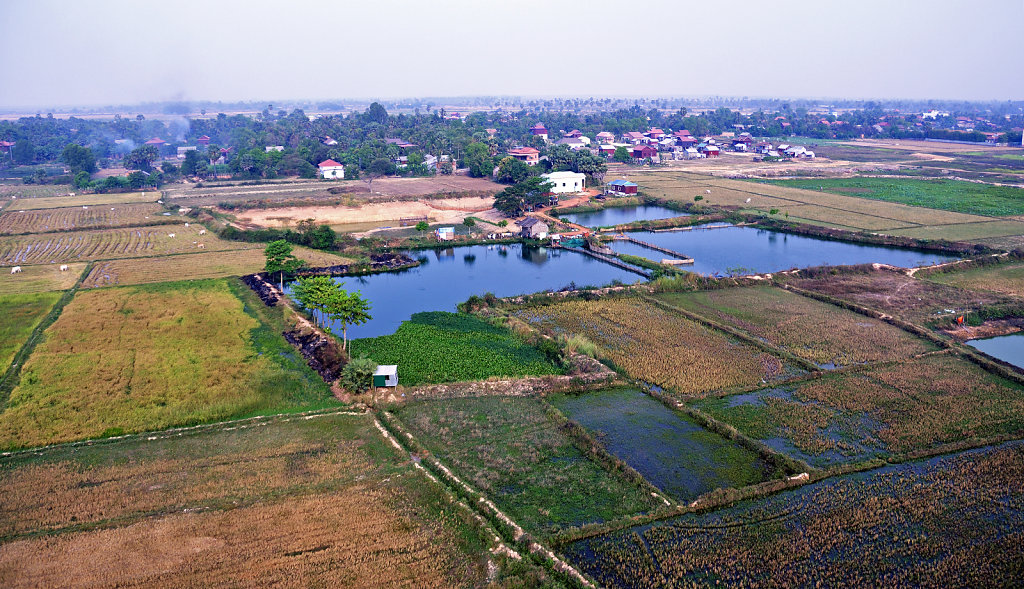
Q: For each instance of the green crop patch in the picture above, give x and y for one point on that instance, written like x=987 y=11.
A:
x=149 y=357
x=22 y=313
x=813 y=330
x=440 y=347
x=509 y=449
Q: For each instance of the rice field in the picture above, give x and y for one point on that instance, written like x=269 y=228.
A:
x=48 y=248
x=660 y=347
x=964 y=231
x=878 y=411
x=953 y=521
x=509 y=449
x=824 y=334
x=81 y=200
x=318 y=502
x=39 y=278
x=72 y=218
x=150 y=357
x=1007 y=279
x=200 y=266
x=22 y=313
x=819 y=206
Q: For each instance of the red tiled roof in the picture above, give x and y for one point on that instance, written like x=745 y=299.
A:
x=524 y=151
x=156 y=141
x=329 y=164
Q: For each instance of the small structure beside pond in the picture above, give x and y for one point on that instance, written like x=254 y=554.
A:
x=386 y=375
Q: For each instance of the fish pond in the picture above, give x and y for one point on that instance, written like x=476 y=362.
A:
x=1008 y=348
x=612 y=215
x=447 y=277
x=749 y=250
x=672 y=452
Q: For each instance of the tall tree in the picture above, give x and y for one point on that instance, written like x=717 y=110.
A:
x=141 y=158
x=280 y=259
x=78 y=158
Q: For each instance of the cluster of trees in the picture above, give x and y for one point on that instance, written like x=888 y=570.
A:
x=528 y=193
x=328 y=301
x=307 y=233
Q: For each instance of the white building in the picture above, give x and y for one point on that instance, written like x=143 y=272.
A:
x=566 y=182
x=332 y=170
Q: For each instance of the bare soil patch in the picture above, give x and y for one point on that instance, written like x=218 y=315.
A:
x=447 y=210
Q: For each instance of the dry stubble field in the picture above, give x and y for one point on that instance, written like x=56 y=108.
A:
x=79 y=200
x=310 y=502
x=95 y=217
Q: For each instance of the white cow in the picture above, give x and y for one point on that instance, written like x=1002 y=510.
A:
x=16 y=270
x=186 y=224
x=170 y=235
x=707 y=192
x=63 y=267
x=748 y=200
x=202 y=232
x=201 y=246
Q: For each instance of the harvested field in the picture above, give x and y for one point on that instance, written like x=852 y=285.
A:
x=816 y=331
x=22 y=313
x=881 y=410
x=509 y=449
x=149 y=357
x=964 y=232
x=894 y=293
x=660 y=347
x=842 y=210
x=80 y=200
x=71 y=218
x=47 y=248
x=382 y=189
x=1007 y=279
x=953 y=521
x=40 y=278
x=947 y=195
x=323 y=501
x=449 y=210
x=21 y=190
x=195 y=266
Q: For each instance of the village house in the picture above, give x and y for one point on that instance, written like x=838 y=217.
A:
x=573 y=143
x=642 y=152
x=204 y=141
x=621 y=187
x=566 y=182
x=633 y=138
x=605 y=137
x=574 y=133
x=533 y=228
x=271 y=148
x=328 y=141
x=711 y=151
x=539 y=130
x=691 y=153
x=332 y=170
x=529 y=155
x=445 y=233
x=607 y=150
x=655 y=134
x=491 y=132
x=185 y=149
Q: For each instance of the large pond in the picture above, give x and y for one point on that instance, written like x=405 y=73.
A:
x=447 y=277
x=748 y=250
x=1008 y=348
x=675 y=454
x=619 y=215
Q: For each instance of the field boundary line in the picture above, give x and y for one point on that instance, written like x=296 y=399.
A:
x=227 y=425
x=13 y=373
x=481 y=502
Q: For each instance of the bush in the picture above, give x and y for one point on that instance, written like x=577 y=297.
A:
x=357 y=376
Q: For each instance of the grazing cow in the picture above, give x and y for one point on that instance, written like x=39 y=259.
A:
x=202 y=232
x=71 y=194
x=84 y=207
x=63 y=267
x=748 y=200
x=707 y=192
x=170 y=235
x=186 y=224
x=16 y=270
x=201 y=246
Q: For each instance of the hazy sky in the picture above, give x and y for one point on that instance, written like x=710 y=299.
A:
x=84 y=52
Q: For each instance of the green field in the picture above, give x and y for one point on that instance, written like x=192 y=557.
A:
x=440 y=347
x=810 y=329
x=22 y=313
x=947 y=195
x=878 y=411
x=149 y=357
x=508 y=448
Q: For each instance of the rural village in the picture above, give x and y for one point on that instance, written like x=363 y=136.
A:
x=509 y=341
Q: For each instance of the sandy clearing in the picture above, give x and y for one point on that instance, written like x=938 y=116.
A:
x=444 y=210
